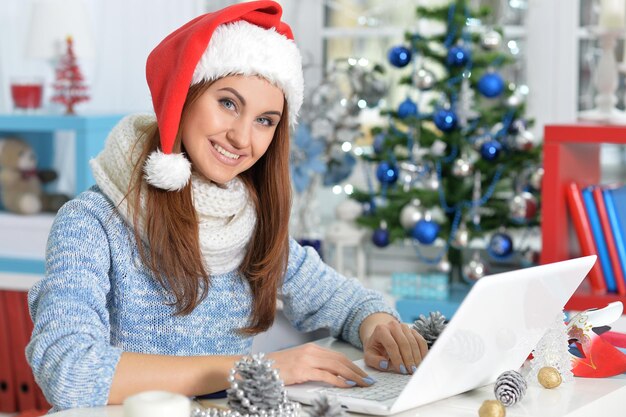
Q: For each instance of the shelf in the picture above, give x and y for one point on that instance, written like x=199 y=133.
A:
x=24 y=236
x=572 y=154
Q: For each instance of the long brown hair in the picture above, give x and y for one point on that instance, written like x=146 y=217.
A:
x=173 y=249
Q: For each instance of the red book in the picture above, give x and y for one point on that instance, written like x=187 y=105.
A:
x=23 y=375
x=585 y=236
x=42 y=403
x=610 y=240
x=7 y=387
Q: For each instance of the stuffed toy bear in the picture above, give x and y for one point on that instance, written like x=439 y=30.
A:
x=21 y=182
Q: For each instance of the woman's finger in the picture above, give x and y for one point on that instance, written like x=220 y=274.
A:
x=421 y=342
x=324 y=354
x=320 y=375
x=415 y=349
x=384 y=337
x=340 y=369
x=375 y=360
x=404 y=348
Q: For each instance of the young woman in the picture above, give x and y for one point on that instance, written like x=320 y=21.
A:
x=159 y=276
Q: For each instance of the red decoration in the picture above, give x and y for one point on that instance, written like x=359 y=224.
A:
x=69 y=86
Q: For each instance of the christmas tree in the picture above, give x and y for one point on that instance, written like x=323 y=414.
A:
x=456 y=160
x=69 y=86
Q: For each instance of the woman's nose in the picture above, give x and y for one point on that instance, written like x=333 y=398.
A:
x=239 y=133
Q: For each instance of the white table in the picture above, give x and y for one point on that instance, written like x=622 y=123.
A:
x=580 y=398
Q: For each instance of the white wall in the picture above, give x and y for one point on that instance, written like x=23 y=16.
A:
x=125 y=31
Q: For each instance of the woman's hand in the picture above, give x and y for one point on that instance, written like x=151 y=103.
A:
x=311 y=362
x=389 y=345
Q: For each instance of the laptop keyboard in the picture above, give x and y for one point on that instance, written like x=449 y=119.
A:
x=388 y=385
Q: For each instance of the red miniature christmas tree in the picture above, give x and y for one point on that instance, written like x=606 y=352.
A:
x=69 y=86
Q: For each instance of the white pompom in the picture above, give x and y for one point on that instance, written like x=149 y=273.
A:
x=169 y=172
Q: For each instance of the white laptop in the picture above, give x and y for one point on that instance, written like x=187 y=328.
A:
x=499 y=323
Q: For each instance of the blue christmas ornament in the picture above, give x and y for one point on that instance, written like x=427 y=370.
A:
x=445 y=119
x=379 y=141
x=407 y=108
x=500 y=246
x=491 y=84
x=425 y=231
x=458 y=56
x=387 y=173
x=399 y=56
x=381 y=235
x=490 y=150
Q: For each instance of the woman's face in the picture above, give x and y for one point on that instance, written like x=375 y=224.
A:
x=230 y=126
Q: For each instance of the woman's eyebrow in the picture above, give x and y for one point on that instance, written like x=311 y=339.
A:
x=236 y=93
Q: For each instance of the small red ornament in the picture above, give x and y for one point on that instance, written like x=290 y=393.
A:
x=69 y=86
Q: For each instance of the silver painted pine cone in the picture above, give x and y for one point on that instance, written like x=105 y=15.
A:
x=430 y=327
x=510 y=387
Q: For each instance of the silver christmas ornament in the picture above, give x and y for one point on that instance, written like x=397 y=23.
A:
x=424 y=79
x=475 y=268
x=523 y=207
x=491 y=40
x=444 y=265
x=466 y=103
x=462 y=167
x=432 y=182
x=536 y=178
x=514 y=101
x=525 y=140
x=461 y=238
x=411 y=214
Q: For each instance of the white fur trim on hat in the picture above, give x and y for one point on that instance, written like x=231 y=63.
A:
x=243 y=48
x=169 y=172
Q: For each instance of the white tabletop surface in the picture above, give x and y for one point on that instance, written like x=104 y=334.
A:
x=581 y=398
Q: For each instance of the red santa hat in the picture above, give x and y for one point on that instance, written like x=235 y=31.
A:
x=247 y=39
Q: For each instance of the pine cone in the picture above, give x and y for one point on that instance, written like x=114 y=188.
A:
x=430 y=328
x=510 y=387
x=257 y=390
x=325 y=406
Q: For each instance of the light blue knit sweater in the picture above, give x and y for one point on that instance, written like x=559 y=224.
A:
x=98 y=300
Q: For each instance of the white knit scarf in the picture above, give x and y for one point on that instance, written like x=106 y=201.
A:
x=226 y=213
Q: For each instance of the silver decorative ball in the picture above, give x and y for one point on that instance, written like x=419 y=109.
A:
x=444 y=265
x=433 y=182
x=461 y=238
x=523 y=207
x=491 y=40
x=514 y=101
x=424 y=79
x=525 y=140
x=411 y=214
x=474 y=269
x=462 y=167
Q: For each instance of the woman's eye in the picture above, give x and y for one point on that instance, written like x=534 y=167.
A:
x=228 y=104
x=265 y=121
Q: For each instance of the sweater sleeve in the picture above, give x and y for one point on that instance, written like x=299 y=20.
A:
x=316 y=296
x=70 y=351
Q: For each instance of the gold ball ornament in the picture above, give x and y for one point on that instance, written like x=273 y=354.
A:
x=549 y=377
x=492 y=408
